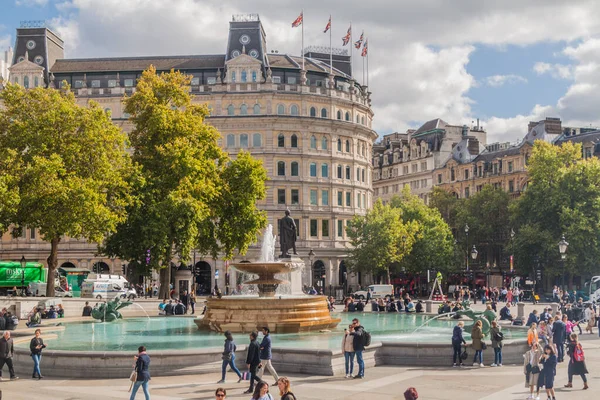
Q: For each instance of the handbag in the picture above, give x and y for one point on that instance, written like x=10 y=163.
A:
x=132 y=378
x=464 y=355
x=535 y=370
x=246 y=376
x=483 y=346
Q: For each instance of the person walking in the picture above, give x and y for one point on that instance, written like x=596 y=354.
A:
x=266 y=355
x=36 y=346
x=548 y=371
x=348 y=350
x=142 y=367
x=262 y=391
x=497 y=338
x=559 y=335
x=577 y=361
x=531 y=369
x=7 y=349
x=285 y=390
x=192 y=298
x=532 y=334
x=253 y=361
x=358 y=341
x=590 y=317
x=229 y=357
x=457 y=342
x=477 y=337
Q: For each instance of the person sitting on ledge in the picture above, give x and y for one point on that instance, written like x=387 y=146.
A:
x=419 y=307
x=391 y=306
x=410 y=307
x=179 y=308
x=351 y=306
x=505 y=313
x=169 y=308
x=400 y=305
x=360 y=306
x=36 y=319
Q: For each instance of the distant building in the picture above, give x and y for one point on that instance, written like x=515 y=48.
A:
x=5 y=63
x=410 y=158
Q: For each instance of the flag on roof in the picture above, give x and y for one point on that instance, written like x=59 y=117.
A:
x=328 y=26
x=365 y=50
x=346 y=38
x=298 y=21
x=358 y=43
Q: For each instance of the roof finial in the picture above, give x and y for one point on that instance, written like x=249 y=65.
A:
x=244 y=49
x=26 y=55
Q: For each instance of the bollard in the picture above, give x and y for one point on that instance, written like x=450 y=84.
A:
x=554 y=308
x=428 y=306
x=520 y=310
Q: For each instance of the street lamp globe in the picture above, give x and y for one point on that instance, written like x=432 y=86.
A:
x=23 y=262
x=562 y=246
x=311 y=256
x=512 y=233
x=466 y=228
x=474 y=253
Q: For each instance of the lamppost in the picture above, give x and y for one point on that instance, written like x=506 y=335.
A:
x=216 y=278
x=23 y=265
x=512 y=249
x=562 y=248
x=311 y=259
x=467 y=235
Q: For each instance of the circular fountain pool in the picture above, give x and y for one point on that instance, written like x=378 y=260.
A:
x=181 y=333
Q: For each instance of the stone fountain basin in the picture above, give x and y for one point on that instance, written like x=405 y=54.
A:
x=261 y=268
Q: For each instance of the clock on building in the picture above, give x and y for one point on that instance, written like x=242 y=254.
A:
x=235 y=53
x=30 y=44
x=39 y=60
x=244 y=39
x=254 y=53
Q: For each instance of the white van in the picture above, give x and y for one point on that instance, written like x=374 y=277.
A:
x=102 y=289
x=39 y=289
x=377 y=291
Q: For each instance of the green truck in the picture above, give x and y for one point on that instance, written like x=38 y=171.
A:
x=13 y=275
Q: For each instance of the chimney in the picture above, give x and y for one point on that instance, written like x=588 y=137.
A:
x=477 y=123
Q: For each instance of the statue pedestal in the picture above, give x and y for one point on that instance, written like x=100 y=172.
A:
x=555 y=307
x=428 y=306
x=295 y=273
x=520 y=310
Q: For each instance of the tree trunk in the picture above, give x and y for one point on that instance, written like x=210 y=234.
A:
x=387 y=275
x=165 y=278
x=52 y=265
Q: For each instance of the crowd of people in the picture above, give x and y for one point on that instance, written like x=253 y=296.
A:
x=382 y=304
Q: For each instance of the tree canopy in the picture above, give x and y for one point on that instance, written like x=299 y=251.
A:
x=64 y=167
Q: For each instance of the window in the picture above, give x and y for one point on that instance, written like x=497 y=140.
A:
x=340 y=198
x=511 y=186
x=32 y=233
x=480 y=171
x=128 y=82
x=294 y=168
x=313 y=227
x=294 y=110
x=244 y=76
x=325 y=170
x=244 y=140
x=295 y=196
x=466 y=174
x=112 y=83
x=243 y=109
x=415 y=168
x=340 y=228
x=313 y=112
x=294 y=140
x=362 y=120
x=466 y=193
x=253 y=76
x=347 y=172
x=325 y=228
x=405 y=170
x=324 y=143
x=211 y=80
x=348 y=116
x=363 y=175
x=424 y=166
x=348 y=199
x=280 y=109
x=195 y=81
x=347 y=146
x=281 y=140
x=510 y=164
x=324 y=197
x=313 y=142
x=364 y=197
x=339 y=172
x=313 y=197
x=281 y=168
x=339 y=114
x=230 y=110
x=256 y=109
x=280 y=196
x=357 y=119
x=452 y=177
x=358 y=200
x=291 y=80
x=78 y=84
x=26 y=82
x=313 y=169
x=358 y=174
x=339 y=144
x=276 y=79
x=323 y=113
x=36 y=81
x=439 y=178
x=257 y=140
x=96 y=83
x=230 y=140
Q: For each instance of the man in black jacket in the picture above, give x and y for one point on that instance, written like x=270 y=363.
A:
x=253 y=360
x=6 y=354
x=359 y=346
x=169 y=308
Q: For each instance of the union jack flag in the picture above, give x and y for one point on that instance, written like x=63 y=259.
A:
x=365 y=49
x=298 y=21
x=346 y=39
x=328 y=27
x=358 y=43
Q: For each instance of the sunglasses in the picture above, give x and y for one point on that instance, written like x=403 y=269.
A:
x=220 y=395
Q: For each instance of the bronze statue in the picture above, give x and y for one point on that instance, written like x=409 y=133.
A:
x=287 y=235
x=108 y=311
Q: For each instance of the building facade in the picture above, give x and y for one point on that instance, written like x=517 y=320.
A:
x=309 y=123
x=5 y=63
x=410 y=158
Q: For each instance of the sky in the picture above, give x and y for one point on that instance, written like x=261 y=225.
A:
x=505 y=62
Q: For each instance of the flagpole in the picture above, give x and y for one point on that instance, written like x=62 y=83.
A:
x=330 y=48
x=303 y=39
x=368 y=65
x=351 y=58
x=363 y=60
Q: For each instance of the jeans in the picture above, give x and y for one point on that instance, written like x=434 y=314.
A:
x=498 y=355
x=231 y=363
x=37 y=358
x=11 y=369
x=267 y=364
x=361 y=363
x=457 y=350
x=349 y=356
x=253 y=376
x=560 y=351
x=478 y=355
x=136 y=386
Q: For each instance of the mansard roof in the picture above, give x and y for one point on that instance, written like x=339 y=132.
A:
x=430 y=126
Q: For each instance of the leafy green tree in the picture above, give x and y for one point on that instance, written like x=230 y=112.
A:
x=447 y=204
x=379 y=239
x=68 y=163
x=191 y=194
x=434 y=243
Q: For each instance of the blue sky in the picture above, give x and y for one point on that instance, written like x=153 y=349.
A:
x=503 y=62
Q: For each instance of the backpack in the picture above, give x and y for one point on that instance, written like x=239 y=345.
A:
x=367 y=338
x=578 y=353
x=498 y=336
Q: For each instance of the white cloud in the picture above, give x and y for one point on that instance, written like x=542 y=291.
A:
x=558 y=71
x=501 y=80
x=31 y=3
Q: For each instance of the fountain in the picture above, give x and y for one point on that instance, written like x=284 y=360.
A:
x=281 y=313
x=109 y=311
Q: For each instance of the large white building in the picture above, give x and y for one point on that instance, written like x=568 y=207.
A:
x=5 y=63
